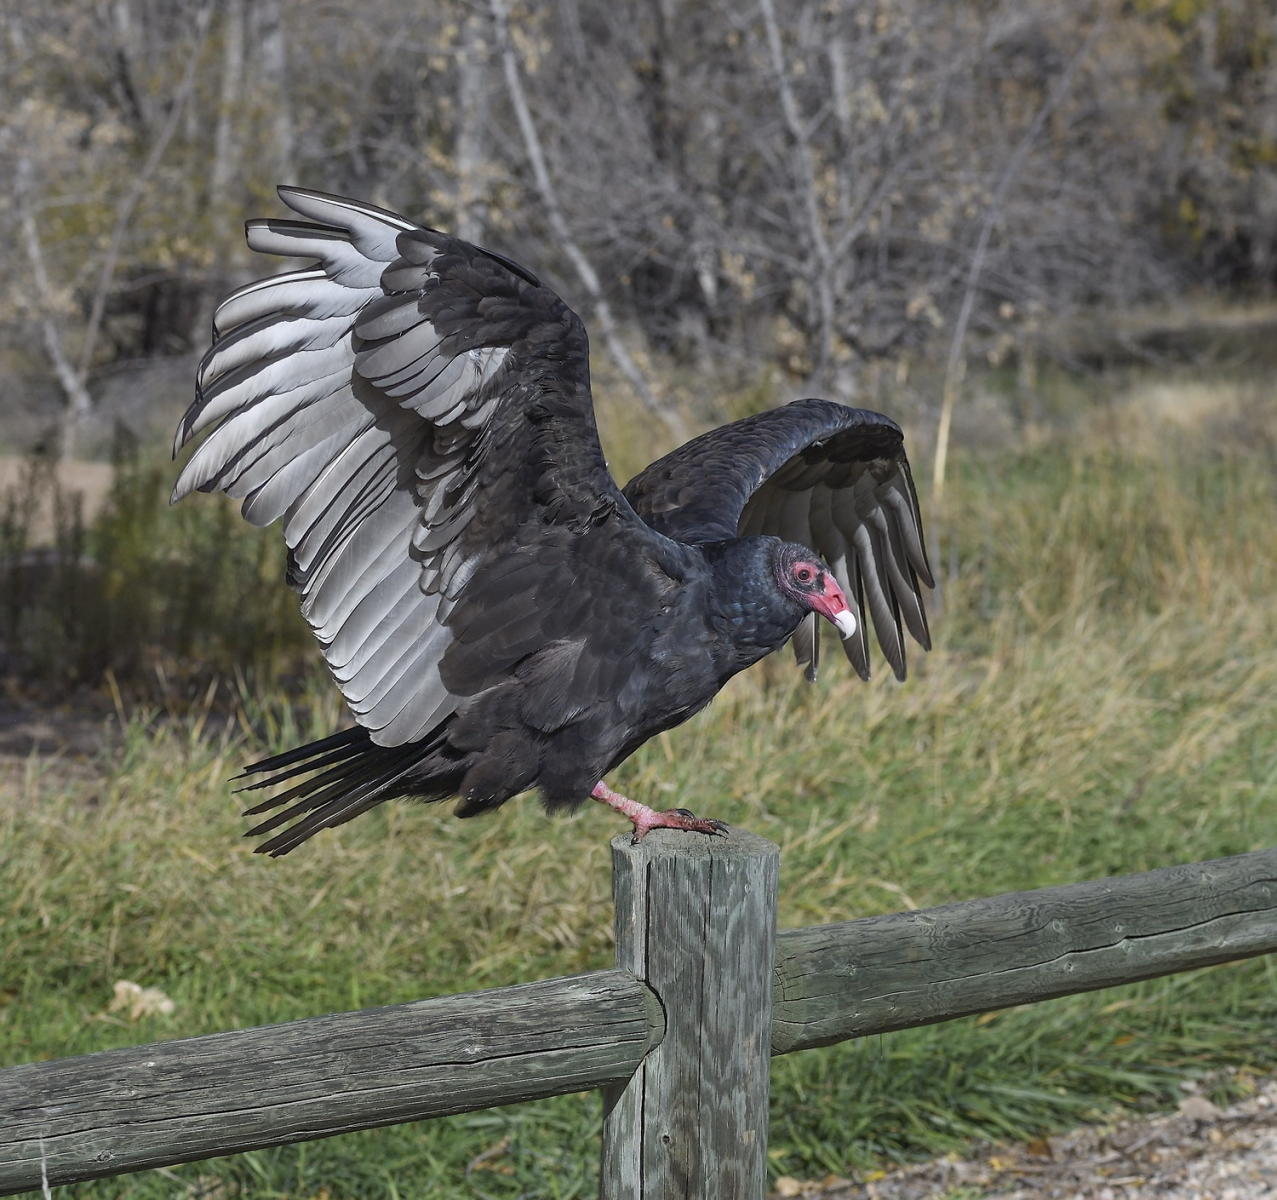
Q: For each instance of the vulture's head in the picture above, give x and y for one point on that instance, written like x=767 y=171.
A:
x=807 y=581
x=765 y=587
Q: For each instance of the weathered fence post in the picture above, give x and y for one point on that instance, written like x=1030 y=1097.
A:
x=696 y=921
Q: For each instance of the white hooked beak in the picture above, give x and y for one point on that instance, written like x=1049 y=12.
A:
x=846 y=623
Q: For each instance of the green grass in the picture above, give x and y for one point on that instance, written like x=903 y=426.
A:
x=1100 y=701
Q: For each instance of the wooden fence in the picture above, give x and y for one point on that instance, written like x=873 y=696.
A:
x=678 y=1036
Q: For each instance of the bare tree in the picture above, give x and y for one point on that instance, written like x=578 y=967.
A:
x=78 y=401
x=955 y=359
x=73 y=371
x=558 y=222
x=749 y=191
x=821 y=259
x=470 y=154
x=272 y=52
x=229 y=130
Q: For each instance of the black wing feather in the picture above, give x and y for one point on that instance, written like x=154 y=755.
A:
x=830 y=477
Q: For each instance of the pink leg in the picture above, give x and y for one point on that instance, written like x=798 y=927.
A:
x=645 y=818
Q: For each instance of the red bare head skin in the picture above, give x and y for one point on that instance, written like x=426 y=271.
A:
x=813 y=585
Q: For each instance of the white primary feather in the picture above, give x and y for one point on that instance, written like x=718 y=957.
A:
x=350 y=465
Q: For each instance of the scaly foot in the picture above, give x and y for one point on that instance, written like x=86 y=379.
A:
x=645 y=819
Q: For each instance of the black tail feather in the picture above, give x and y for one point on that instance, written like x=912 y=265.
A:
x=343 y=774
x=348 y=775
x=338 y=810
x=355 y=736
x=323 y=760
x=341 y=781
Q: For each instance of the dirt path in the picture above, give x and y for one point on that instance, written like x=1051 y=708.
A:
x=1199 y=1153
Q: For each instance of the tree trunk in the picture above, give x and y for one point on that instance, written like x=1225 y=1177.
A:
x=820 y=281
x=225 y=151
x=272 y=50
x=472 y=111
x=559 y=226
x=77 y=401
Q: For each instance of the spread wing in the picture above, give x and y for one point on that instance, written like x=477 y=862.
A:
x=820 y=474
x=417 y=412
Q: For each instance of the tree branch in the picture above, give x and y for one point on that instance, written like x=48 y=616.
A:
x=78 y=400
x=124 y=213
x=824 y=262
x=559 y=225
x=955 y=361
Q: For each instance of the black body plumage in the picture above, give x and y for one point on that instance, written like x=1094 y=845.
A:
x=498 y=614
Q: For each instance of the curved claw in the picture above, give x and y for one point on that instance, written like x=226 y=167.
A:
x=719 y=826
x=676 y=818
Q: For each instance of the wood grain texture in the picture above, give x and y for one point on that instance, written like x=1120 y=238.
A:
x=171 y=1102
x=695 y=919
x=878 y=974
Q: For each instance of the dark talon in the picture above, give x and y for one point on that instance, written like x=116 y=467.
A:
x=685 y=812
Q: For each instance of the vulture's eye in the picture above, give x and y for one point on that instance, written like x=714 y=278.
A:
x=804 y=574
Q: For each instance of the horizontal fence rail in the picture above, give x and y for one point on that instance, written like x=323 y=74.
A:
x=170 y=1102
x=880 y=974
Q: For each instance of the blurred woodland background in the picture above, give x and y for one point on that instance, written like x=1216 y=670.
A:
x=746 y=202
x=1041 y=234
x=814 y=188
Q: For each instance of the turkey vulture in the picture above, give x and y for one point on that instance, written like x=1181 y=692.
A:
x=498 y=614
